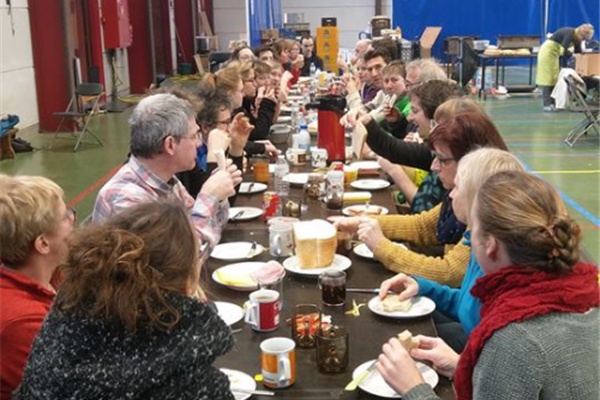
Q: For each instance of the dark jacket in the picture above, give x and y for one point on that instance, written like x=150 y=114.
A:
x=194 y=179
x=416 y=155
x=78 y=357
x=262 y=123
x=314 y=59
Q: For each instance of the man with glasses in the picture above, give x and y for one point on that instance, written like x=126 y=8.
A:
x=164 y=139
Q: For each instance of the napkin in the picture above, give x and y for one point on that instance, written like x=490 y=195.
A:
x=357 y=196
x=270 y=272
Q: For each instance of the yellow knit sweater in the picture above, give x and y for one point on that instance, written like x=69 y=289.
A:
x=420 y=229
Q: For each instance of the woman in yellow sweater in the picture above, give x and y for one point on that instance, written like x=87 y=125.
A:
x=449 y=141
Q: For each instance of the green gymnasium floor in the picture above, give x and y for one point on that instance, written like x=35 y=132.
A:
x=535 y=137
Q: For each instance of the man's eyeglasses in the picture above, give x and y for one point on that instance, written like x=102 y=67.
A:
x=444 y=161
x=225 y=122
x=412 y=85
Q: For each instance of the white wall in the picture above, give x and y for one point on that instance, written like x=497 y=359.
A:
x=352 y=16
x=229 y=21
x=17 y=82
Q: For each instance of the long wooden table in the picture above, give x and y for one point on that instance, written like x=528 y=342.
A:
x=367 y=332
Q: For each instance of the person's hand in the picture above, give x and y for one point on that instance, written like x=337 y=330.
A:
x=298 y=62
x=369 y=232
x=260 y=94
x=239 y=131
x=397 y=368
x=404 y=285
x=270 y=149
x=350 y=83
x=218 y=139
x=348 y=225
x=435 y=350
x=342 y=65
x=386 y=165
x=391 y=113
x=222 y=183
x=270 y=94
x=281 y=95
x=413 y=137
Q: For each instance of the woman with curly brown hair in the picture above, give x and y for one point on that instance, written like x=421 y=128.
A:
x=538 y=335
x=130 y=320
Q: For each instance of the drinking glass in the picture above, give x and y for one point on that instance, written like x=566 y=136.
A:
x=306 y=323
x=332 y=349
x=333 y=287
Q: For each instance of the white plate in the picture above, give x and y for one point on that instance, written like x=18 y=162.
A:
x=370 y=184
x=366 y=165
x=339 y=262
x=284 y=118
x=256 y=187
x=241 y=381
x=249 y=213
x=296 y=178
x=285 y=109
x=238 y=268
x=229 y=312
x=235 y=251
x=375 y=384
x=421 y=306
x=352 y=210
x=364 y=251
x=295 y=98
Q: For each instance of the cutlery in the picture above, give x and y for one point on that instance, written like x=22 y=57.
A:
x=252 y=251
x=361 y=290
x=254 y=392
x=238 y=214
x=360 y=377
x=250 y=187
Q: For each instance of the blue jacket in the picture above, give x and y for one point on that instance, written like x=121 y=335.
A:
x=457 y=304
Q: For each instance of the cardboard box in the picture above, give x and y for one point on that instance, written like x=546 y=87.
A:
x=587 y=64
x=428 y=40
x=268 y=34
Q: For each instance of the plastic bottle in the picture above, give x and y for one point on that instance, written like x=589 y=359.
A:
x=313 y=70
x=282 y=187
x=295 y=117
x=304 y=138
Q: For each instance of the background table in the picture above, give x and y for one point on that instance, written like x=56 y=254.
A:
x=367 y=333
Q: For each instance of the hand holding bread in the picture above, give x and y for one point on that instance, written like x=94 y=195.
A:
x=404 y=285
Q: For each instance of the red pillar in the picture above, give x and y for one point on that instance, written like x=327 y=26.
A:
x=50 y=60
x=139 y=53
x=185 y=29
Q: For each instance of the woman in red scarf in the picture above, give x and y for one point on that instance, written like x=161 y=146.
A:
x=540 y=327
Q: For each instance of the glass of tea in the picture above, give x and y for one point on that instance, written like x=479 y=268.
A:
x=306 y=323
x=344 y=243
x=260 y=169
x=332 y=349
x=333 y=287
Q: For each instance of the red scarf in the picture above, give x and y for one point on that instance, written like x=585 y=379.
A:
x=515 y=294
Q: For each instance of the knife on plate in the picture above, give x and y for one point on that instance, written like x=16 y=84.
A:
x=238 y=214
x=360 y=377
x=252 y=251
x=362 y=290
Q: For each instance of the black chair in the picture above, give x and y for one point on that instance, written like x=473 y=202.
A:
x=216 y=59
x=82 y=106
x=590 y=110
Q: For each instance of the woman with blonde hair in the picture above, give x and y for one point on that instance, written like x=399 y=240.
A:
x=34 y=225
x=538 y=335
x=457 y=311
x=131 y=320
x=558 y=45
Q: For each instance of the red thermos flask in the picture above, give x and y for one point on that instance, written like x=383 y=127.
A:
x=331 y=133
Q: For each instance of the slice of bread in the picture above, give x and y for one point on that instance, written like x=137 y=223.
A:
x=408 y=341
x=392 y=304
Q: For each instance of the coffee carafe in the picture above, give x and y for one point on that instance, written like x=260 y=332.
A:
x=331 y=132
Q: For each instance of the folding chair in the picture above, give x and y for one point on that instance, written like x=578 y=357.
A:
x=83 y=105
x=590 y=110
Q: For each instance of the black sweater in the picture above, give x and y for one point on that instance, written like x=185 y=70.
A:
x=262 y=123
x=416 y=155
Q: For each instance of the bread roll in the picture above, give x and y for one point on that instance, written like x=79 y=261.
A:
x=407 y=341
x=316 y=242
x=392 y=304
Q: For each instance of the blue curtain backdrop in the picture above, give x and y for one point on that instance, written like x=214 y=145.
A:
x=486 y=18
x=573 y=13
x=263 y=14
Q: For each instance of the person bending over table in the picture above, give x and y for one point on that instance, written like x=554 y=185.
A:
x=450 y=141
x=131 y=320
x=548 y=58
x=164 y=139
x=457 y=311
x=34 y=225
x=539 y=330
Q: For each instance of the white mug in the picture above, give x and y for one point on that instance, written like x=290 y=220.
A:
x=278 y=362
x=296 y=156
x=281 y=240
